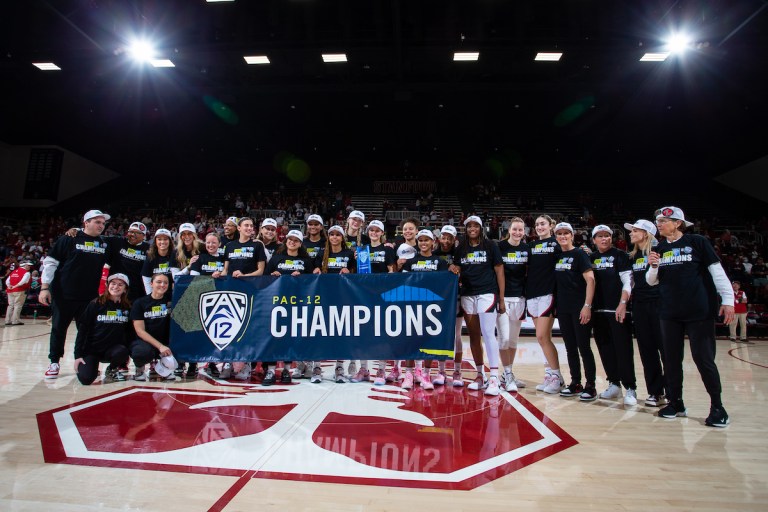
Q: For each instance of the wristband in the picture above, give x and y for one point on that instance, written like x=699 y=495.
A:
x=623 y=302
x=588 y=306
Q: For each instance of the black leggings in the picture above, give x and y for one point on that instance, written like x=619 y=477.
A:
x=614 y=343
x=576 y=338
x=115 y=355
x=645 y=317
x=701 y=336
x=63 y=312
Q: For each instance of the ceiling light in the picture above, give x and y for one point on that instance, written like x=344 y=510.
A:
x=162 y=63
x=46 y=66
x=654 y=57
x=215 y=1
x=256 y=59
x=334 y=57
x=141 y=51
x=678 y=43
x=548 y=56
x=466 y=55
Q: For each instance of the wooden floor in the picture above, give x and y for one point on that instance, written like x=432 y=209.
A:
x=624 y=459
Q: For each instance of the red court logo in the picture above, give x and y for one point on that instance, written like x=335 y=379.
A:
x=449 y=438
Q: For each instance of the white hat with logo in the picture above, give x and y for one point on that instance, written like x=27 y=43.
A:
x=122 y=277
x=187 y=226
x=425 y=232
x=233 y=220
x=601 y=227
x=92 y=214
x=449 y=230
x=643 y=224
x=336 y=228
x=406 y=251
x=357 y=214
x=672 y=212
x=564 y=225
x=376 y=224
x=138 y=226
x=162 y=232
x=315 y=218
x=269 y=222
x=473 y=218
x=165 y=366
x=295 y=233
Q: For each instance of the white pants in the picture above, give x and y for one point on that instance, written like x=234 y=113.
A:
x=738 y=318
x=15 y=305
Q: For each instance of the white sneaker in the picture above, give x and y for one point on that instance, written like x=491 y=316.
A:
x=298 y=372
x=480 y=382
x=554 y=385
x=226 y=371
x=509 y=382
x=244 y=373
x=541 y=386
x=140 y=376
x=439 y=379
x=53 y=371
x=308 y=371
x=351 y=369
x=380 y=379
x=317 y=375
x=407 y=380
x=339 y=375
x=492 y=388
x=631 y=397
x=612 y=392
x=458 y=379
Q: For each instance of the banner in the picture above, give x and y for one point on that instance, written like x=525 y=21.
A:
x=314 y=317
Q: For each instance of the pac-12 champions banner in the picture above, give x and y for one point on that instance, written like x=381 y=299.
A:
x=314 y=317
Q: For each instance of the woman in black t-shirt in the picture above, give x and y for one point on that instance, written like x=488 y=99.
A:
x=188 y=246
x=383 y=260
x=446 y=250
x=210 y=263
x=268 y=236
x=315 y=239
x=645 y=311
x=575 y=291
x=161 y=259
x=102 y=331
x=151 y=317
x=354 y=232
x=690 y=277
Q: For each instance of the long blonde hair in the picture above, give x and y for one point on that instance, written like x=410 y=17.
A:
x=643 y=247
x=181 y=256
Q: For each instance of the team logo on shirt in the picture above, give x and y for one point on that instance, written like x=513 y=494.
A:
x=92 y=247
x=424 y=266
x=212 y=266
x=603 y=263
x=313 y=252
x=377 y=256
x=223 y=315
x=474 y=257
x=676 y=256
x=133 y=254
x=118 y=316
x=291 y=265
x=338 y=262
x=640 y=264
x=241 y=253
x=564 y=264
x=515 y=258
x=159 y=311
x=162 y=268
x=543 y=248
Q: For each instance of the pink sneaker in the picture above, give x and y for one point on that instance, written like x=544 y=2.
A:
x=458 y=380
x=418 y=376
x=380 y=378
x=394 y=375
x=493 y=388
x=439 y=379
x=362 y=375
x=407 y=380
x=426 y=384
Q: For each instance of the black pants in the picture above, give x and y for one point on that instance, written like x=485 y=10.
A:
x=143 y=353
x=87 y=372
x=645 y=317
x=576 y=338
x=614 y=343
x=64 y=311
x=701 y=337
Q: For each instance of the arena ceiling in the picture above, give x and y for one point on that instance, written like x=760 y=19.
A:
x=400 y=97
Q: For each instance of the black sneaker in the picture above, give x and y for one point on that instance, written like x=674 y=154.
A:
x=114 y=374
x=673 y=410
x=179 y=371
x=212 y=369
x=572 y=389
x=192 y=371
x=285 y=376
x=589 y=393
x=269 y=378
x=717 y=417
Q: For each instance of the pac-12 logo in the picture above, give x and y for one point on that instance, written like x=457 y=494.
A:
x=222 y=315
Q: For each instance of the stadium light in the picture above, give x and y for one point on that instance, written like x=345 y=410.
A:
x=548 y=56
x=162 y=63
x=46 y=66
x=654 y=57
x=678 y=43
x=334 y=57
x=466 y=56
x=141 y=51
x=256 y=59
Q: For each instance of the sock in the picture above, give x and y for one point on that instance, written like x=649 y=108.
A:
x=419 y=364
x=495 y=372
x=508 y=368
x=441 y=366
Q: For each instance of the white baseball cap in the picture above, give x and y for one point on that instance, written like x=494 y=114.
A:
x=449 y=229
x=269 y=222
x=296 y=234
x=473 y=218
x=601 y=227
x=336 y=228
x=406 y=251
x=165 y=366
x=233 y=220
x=138 y=226
x=643 y=224
x=91 y=214
x=187 y=227
x=376 y=224
x=425 y=232
x=122 y=277
x=563 y=225
x=162 y=232
x=315 y=218
x=357 y=214
x=672 y=212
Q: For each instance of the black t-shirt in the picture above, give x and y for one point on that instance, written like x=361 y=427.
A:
x=270 y=248
x=477 y=263
x=223 y=241
x=352 y=241
x=515 y=258
x=101 y=327
x=607 y=266
x=420 y=263
x=287 y=265
x=447 y=256
x=244 y=256
x=128 y=259
x=207 y=264
x=382 y=257
x=345 y=258
x=641 y=290
x=315 y=249
x=156 y=315
x=81 y=259
x=187 y=254
x=686 y=290
x=542 y=256
x=161 y=265
x=571 y=286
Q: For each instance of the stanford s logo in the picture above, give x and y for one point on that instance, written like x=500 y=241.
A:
x=222 y=315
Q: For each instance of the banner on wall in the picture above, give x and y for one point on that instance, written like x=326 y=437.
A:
x=314 y=317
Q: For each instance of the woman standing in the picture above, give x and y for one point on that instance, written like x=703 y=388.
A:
x=514 y=254
x=188 y=247
x=689 y=276
x=575 y=290
x=446 y=250
x=354 y=232
x=211 y=261
x=482 y=283
x=268 y=236
x=160 y=260
x=102 y=331
x=645 y=311
x=152 y=322
x=613 y=332
x=314 y=242
x=540 y=290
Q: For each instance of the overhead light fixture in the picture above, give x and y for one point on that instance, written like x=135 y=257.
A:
x=162 y=63
x=678 y=43
x=256 y=59
x=548 y=56
x=141 y=51
x=466 y=56
x=334 y=57
x=216 y=1
x=654 y=57
x=46 y=66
